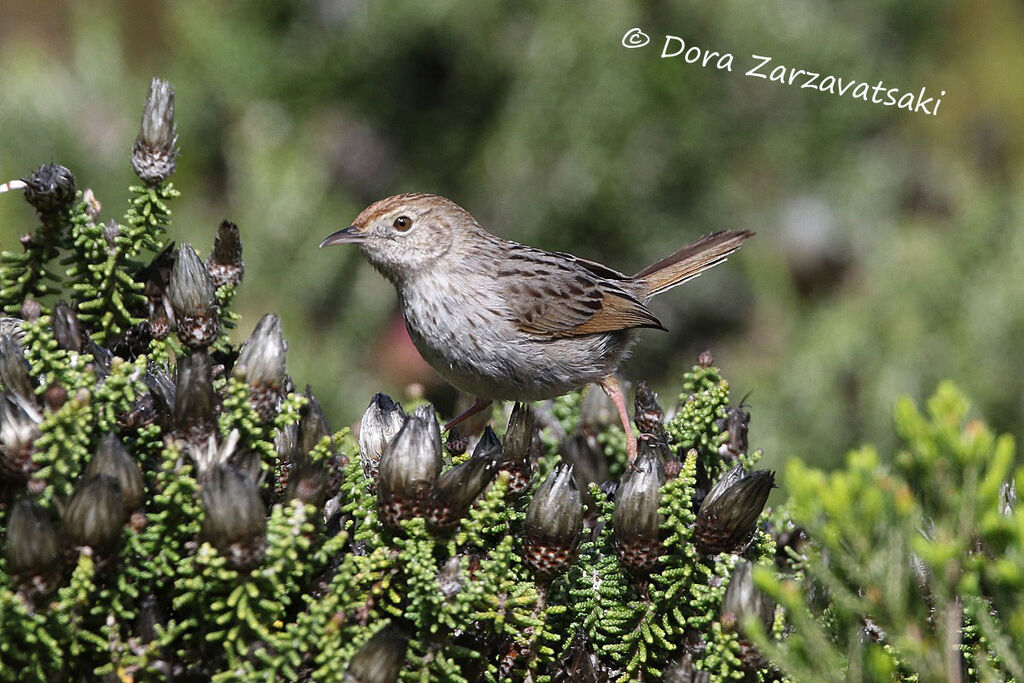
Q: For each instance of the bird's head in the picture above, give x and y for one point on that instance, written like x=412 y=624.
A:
x=406 y=233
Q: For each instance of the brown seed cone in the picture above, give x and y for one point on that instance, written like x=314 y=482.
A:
x=546 y=558
x=639 y=555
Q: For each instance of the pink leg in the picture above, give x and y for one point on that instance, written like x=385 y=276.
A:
x=614 y=391
x=478 y=405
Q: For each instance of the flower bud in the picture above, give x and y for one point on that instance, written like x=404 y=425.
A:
x=735 y=424
x=380 y=423
x=517 y=448
x=409 y=467
x=380 y=660
x=155 y=150
x=193 y=299
x=307 y=482
x=33 y=548
x=727 y=518
x=225 y=264
x=111 y=458
x=18 y=432
x=50 y=189
x=457 y=488
x=589 y=464
x=234 y=521
x=94 y=516
x=648 y=415
x=313 y=425
x=636 y=519
x=163 y=391
x=194 y=400
x=553 y=524
x=743 y=600
x=66 y=328
x=14 y=371
x=261 y=365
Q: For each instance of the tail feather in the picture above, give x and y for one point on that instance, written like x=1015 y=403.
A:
x=690 y=261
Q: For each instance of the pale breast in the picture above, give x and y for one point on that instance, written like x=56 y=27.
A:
x=462 y=328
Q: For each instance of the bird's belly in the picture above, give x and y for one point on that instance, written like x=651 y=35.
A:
x=490 y=358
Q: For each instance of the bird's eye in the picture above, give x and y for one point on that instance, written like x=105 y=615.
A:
x=402 y=223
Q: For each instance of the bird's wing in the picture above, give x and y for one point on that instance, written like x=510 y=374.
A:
x=552 y=295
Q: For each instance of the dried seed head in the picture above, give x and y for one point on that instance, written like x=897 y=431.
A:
x=225 y=263
x=307 y=482
x=14 y=370
x=193 y=299
x=636 y=518
x=234 y=521
x=457 y=488
x=33 y=547
x=381 y=421
x=31 y=310
x=66 y=328
x=590 y=466
x=155 y=150
x=194 y=400
x=313 y=424
x=261 y=365
x=94 y=516
x=742 y=601
x=409 y=467
x=111 y=458
x=18 y=432
x=380 y=660
x=517 y=448
x=735 y=424
x=728 y=516
x=554 y=521
x=648 y=415
x=50 y=189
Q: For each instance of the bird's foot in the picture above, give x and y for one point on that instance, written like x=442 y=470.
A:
x=611 y=387
x=478 y=405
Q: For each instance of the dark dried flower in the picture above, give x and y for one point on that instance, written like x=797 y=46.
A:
x=728 y=516
x=234 y=521
x=409 y=467
x=743 y=601
x=155 y=150
x=586 y=455
x=225 y=263
x=380 y=660
x=14 y=370
x=636 y=518
x=66 y=328
x=307 y=482
x=32 y=548
x=261 y=365
x=517 y=448
x=193 y=299
x=313 y=425
x=648 y=415
x=705 y=359
x=381 y=421
x=736 y=425
x=194 y=400
x=164 y=393
x=457 y=488
x=94 y=516
x=50 y=189
x=31 y=310
x=554 y=521
x=111 y=458
x=18 y=431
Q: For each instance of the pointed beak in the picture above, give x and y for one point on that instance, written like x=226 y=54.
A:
x=349 y=235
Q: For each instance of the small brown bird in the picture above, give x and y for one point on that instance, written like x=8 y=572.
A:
x=504 y=321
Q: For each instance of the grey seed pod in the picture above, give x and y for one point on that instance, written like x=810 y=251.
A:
x=261 y=365
x=307 y=482
x=597 y=411
x=18 y=432
x=194 y=400
x=636 y=519
x=554 y=520
x=50 y=189
x=590 y=466
x=313 y=425
x=94 y=516
x=155 y=150
x=727 y=518
x=193 y=299
x=409 y=467
x=457 y=488
x=736 y=425
x=225 y=263
x=33 y=547
x=234 y=521
x=111 y=458
x=741 y=601
x=14 y=370
x=517 y=448
x=66 y=328
x=380 y=660
x=381 y=421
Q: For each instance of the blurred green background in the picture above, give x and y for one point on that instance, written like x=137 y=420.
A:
x=890 y=243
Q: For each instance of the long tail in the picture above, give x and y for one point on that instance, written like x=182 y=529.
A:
x=691 y=260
